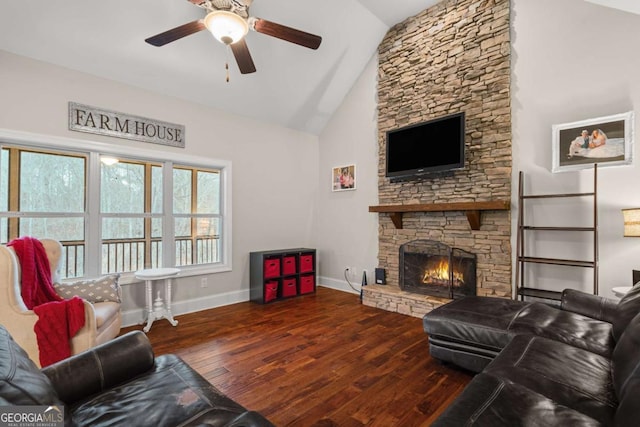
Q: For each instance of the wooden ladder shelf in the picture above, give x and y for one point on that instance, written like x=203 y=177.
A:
x=522 y=259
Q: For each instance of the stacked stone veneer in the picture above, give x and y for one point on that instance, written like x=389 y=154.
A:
x=452 y=57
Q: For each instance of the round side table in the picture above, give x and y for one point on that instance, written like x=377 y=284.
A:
x=158 y=309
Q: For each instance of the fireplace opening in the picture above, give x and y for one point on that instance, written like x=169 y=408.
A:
x=432 y=268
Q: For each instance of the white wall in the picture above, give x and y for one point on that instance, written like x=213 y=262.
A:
x=573 y=60
x=275 y=169
x=347 y=232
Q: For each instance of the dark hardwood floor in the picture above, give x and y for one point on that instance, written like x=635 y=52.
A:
x=318 y=360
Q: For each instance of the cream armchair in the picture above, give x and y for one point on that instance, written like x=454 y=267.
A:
x=102 y=319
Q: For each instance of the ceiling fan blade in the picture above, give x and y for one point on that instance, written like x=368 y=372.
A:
x=243 y=57
x=176 y=33
x=286 y=33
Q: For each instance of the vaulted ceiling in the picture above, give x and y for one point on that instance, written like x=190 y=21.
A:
x=294 y=87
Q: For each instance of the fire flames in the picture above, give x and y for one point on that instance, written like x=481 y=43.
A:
x=439 y=274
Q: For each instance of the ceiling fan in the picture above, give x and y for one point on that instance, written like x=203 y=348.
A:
x=229 y=22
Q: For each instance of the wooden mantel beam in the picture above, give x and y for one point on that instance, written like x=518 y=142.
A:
x=471 y=209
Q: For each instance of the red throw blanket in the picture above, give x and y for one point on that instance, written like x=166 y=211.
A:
x=58 y=319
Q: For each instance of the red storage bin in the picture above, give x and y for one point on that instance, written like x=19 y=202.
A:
x=289 y=287
x=270 y=290
x=306 y=263
x=271 y=267
x=288 y=265
x=307 y=284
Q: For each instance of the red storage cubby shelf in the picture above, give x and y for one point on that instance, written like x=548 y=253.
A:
x=289 y=265
x=271 y=267
x=289 y=287
x=270 y=290
x=276 y=275
x=307 y=284
x=306 y=263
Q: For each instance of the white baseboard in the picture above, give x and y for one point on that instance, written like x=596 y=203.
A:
x=134 y=317
x=339 y=285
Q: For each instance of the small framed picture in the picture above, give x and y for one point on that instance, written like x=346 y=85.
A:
x=607 y=141
x=343 y=178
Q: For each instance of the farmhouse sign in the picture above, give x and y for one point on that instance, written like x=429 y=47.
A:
x=84 y=118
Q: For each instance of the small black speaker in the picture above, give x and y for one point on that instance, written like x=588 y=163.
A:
x=636 y=276
x=381 y=278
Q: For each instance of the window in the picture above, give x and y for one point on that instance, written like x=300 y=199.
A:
x=43 y=194
x=131 y=213
x=196 y=208
x=117 y=217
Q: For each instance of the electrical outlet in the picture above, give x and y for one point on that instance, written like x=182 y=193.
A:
x=203 y=282
x=348 y=272
x=354 y=273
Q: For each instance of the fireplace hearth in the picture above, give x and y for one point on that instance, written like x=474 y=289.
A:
x=433 y=268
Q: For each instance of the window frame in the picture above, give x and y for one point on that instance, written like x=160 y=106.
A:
x=93 y=150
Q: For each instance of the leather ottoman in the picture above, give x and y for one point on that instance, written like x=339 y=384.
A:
x=471 y=331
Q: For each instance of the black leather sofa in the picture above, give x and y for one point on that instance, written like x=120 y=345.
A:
x=577 y=364
x=119 y=383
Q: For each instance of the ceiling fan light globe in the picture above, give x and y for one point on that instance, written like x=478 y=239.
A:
x=226 y=27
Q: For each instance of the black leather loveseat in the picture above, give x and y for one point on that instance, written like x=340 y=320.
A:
x=119 y=383
x=539 y=365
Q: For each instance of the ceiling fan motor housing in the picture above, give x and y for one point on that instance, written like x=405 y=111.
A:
x=239 y=7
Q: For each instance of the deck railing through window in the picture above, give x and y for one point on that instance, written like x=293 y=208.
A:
x=129 y=255
x=72 y=262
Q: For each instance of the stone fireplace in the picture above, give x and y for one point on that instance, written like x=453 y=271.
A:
x=452 y=57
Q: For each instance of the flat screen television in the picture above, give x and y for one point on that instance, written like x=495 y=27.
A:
x=432 y=146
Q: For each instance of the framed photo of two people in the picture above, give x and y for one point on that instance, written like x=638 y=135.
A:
x=343 y=178
x=607 y=141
